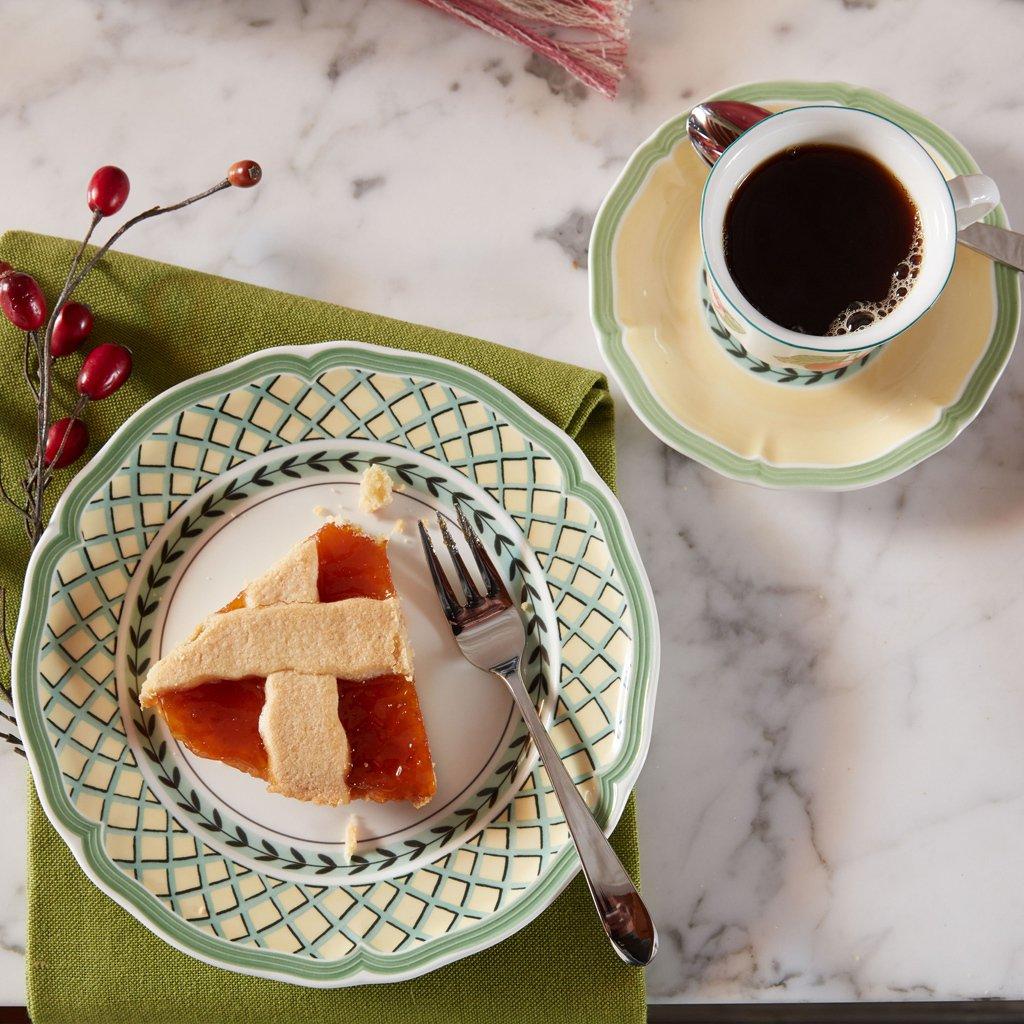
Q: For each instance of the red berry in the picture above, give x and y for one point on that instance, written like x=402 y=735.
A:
x=65 y=442
x=245 y=173
x=5 y=268
x=21 y=300
x=72 y=326
x=108 y=190
x=104 y=370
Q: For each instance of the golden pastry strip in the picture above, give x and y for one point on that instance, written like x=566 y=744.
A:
x=307 y=749
x=290 y=581
x=359 y=638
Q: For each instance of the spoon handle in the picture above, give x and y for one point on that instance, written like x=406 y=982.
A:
x=1000 y=244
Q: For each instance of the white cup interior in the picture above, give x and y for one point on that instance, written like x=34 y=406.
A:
x=886 y=142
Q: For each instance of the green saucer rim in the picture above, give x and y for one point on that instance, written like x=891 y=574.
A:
x=953 y=419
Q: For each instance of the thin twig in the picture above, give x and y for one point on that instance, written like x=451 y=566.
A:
x=5 y=495
x=75 y=414
x=3 y=625
x=44 y=363
x=96 y=218
x=26 y=486
x=68 y=285
x=32 y=490
x=45 y=386
x=7 y=708
x=38 y=477
x=145 y=215
x=26 y=367
x=14 y=741
x=37 y=344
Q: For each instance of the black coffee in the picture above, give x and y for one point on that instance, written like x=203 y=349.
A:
x=822 y=239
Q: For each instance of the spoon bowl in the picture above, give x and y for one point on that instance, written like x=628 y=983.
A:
x=714 y=125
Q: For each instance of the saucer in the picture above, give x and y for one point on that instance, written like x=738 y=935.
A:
x=700 y=396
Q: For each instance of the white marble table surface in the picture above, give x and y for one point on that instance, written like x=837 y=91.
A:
x=833 y=808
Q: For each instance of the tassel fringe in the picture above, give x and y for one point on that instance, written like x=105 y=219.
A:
x=588 y=38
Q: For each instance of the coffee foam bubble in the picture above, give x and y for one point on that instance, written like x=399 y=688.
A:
x=859 y=315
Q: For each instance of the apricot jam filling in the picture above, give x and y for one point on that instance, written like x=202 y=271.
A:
x=390 y=756
x=221 y=721
x=387 y=740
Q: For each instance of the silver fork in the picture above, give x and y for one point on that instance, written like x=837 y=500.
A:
x=490 y=633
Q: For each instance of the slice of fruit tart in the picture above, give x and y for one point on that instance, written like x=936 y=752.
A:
x=305 y=679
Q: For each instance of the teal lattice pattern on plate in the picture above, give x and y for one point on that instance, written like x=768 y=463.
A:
x=240 y=838
x=115 y=785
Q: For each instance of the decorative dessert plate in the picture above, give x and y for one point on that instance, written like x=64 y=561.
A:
x=700 y=391
x=203 y=489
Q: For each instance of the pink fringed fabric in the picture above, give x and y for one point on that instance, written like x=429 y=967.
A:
x=588 y=38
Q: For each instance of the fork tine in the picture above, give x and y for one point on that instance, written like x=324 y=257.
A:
x=495 y=584
x=449 y=603
x=473 y=596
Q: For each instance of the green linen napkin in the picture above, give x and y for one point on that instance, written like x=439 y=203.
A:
x=90 y=961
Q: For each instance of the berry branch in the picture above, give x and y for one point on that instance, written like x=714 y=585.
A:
x=61 y=442
x=155 y=211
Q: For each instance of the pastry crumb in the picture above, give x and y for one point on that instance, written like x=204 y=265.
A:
x=323 y=513
x=375 y=490
x=400 y=532
x=352 y=836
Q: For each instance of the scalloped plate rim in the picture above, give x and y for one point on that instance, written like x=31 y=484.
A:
x=82 y=837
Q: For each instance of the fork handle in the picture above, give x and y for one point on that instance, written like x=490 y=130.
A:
x=625 y=918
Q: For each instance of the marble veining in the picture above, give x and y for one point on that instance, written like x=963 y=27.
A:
x=572 y=235
x=834 y=802
x=360 y=186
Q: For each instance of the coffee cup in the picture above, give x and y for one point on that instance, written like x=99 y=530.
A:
x=782 y=354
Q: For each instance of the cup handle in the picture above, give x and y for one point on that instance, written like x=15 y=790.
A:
x=974 y=195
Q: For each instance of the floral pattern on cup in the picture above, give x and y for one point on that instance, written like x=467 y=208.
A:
x=803 y=368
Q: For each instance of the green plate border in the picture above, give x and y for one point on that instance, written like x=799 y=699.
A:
x=953 y=419
x=84 y=838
